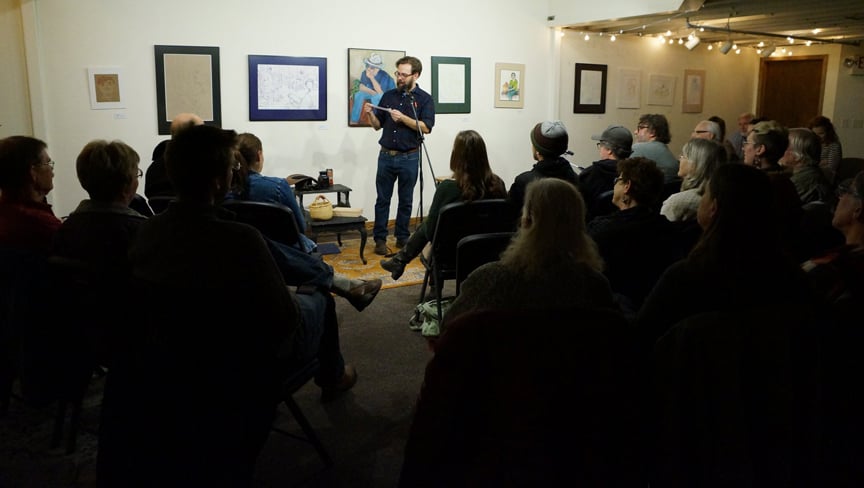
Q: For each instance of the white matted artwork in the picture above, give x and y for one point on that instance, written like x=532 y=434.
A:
x=694 y=90
x=661 y=90
x=106 y=87
x=629 y=88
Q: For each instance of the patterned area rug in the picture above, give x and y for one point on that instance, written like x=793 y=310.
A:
x=348 y=263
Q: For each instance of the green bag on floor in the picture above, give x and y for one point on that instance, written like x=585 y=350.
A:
x=425 y=317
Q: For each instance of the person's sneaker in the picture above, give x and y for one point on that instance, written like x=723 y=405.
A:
x=400 y=243
x=395 y=266
x=362 y=295
x=380 y=247
x=348 y=380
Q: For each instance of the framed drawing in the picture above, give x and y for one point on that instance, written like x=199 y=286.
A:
x=287 y=88
x=661 y=89
x=451 y=85
x=694 y=90
x=370 y=74
x=106 y=89
x=589 y=93
x=629 y=88
x=187 y=81
x=509 y=85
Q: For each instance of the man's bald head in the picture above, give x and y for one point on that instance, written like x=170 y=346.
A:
x=184 y=121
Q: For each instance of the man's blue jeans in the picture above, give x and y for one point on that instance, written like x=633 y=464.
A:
x=403 y=168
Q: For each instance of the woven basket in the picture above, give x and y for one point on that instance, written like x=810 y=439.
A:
x=321 y=208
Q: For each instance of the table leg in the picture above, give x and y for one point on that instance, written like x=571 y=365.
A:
x=362 y=230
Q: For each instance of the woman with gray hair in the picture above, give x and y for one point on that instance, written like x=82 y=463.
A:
x=802 y=156
x=699 y=158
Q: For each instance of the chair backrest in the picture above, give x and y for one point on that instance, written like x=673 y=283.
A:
x=159 y=203
x=461 y=219
x=476 y=250
x=848 y=168
x=274 y=220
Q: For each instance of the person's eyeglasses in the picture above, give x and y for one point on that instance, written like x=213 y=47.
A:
x=680 y=157
x=845 y=188
x=140 y=173
x=601 y=144
x=617 y=179
x=747 y=142
x=49 y=163
x=641 y=126
x=701 y=131
x=402 y=75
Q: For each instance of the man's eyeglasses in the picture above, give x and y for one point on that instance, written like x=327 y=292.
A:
x=49 y=163
x=845 y=188
x=140 y=173
x=603 y=144
x=701 y=131
x=642 y=126
x=617 y=179
x=402 y=75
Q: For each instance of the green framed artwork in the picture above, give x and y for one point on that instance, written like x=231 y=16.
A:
x=451 y=84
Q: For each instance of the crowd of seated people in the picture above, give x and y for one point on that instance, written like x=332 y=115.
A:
x=629 y=292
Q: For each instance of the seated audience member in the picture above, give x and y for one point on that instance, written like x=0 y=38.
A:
x=802 y=157
x=707 y=129
x=838 y=281
x=832 y=151
x=298 y=266
x=551 y=263
x=735 y=264
x=27 y=222
x=100 y=229
x=614 y=144
x=765 y=145
x=157 y=183
x=699 y=158
x=473 y=179
x=731 y=155
x=652 y=139
x=738 y=137
x=549 y=143
x=192 y=401
x=528 y=398
x=636 y=243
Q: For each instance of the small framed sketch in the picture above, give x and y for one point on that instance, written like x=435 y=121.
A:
x=106 y=88
x=694 y=90
x=287 y=88
x=589 y=92
x=187 y=81
x=629 y=88
x=509 y=85
x=451 y=85
x=661 y=90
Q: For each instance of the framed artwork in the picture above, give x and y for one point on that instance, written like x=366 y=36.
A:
x=661 y=89
x=287 y=88
x=187 y=81
x=509 y=85
x=451 y=85
x=370 y=74
x=106 y=89
x=629 y=88
x=589 y=93
x=694 y=90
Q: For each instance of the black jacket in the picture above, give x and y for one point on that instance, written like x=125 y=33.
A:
x=559 y=168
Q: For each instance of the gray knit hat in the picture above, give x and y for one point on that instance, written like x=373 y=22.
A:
x=550 y=138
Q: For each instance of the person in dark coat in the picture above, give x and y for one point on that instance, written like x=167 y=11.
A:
x=549 y=142
x=597 y=180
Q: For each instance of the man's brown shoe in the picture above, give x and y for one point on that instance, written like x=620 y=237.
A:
x=381 y=247
x=362 y=295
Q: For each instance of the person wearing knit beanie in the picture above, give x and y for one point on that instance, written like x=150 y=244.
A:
x=549 y=142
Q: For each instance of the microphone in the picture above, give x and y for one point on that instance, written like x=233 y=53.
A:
x=405 y=91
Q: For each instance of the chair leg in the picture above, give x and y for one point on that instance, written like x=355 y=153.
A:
x=74 y=423
x=59 y=420
x=308 y=431
x=439 y=289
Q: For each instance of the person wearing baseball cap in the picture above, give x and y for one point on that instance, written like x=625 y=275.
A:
x=614 y=143
x=549 y=142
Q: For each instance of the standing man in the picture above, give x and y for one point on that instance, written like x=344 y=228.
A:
x=405 y=111
x=652 y=137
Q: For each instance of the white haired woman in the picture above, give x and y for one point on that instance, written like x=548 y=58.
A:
x=699 y=158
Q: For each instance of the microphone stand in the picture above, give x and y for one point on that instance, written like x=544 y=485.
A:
x=420 y=157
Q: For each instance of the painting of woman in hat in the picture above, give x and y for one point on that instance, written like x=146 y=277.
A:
x=371 y=85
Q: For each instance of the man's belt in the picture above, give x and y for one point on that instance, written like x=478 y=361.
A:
x=393 y=152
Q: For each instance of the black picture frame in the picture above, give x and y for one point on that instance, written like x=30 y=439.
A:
x=302 y=86
x=184 y=82
x=446 y=107
x=589 y=93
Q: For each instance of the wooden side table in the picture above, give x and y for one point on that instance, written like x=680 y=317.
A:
x=340 y=225
x=342 y=194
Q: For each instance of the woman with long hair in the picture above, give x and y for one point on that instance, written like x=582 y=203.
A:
x=550 y=263
x=473 y=179
x=832 y=151
x=699 y=158
x=802 y=157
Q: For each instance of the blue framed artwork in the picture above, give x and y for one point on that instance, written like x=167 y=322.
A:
x=287 y=88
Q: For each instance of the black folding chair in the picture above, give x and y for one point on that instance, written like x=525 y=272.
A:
x=160 y=203
x=455 y=221
x=294 y=382
x=274 y=220
x=476 y=250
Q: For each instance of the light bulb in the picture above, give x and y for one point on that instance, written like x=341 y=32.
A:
x=737 y=51
x=761 y=44
x=809 y=43
x=710 y=47
x=613 y=37
x=587 y=37
x=668 y=33
x=791 y=41
x=671 y=41
x=735 y=46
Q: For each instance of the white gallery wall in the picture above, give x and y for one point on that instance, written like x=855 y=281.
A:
x=70 y=36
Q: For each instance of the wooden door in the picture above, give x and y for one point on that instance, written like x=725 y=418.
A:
x=791 y=89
